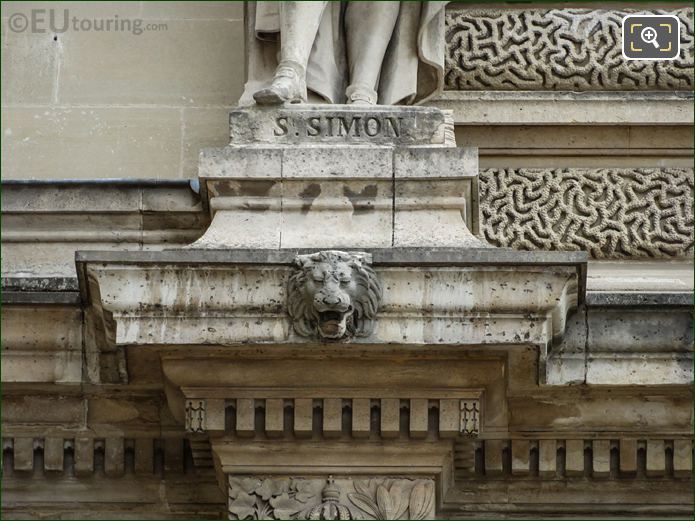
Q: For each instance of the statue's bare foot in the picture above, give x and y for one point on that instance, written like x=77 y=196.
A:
x=288 y=85
x=360 y=95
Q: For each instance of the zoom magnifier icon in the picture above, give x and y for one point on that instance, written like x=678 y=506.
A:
x=649 y=36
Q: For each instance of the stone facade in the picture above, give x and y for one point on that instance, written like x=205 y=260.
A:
x=477 y=308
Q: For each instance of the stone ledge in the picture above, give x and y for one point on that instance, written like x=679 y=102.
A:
x=62 y=290
x=380 y=256
x=231 y=297
x=41 y=297
x=567 y=108
x=39 y=284
x=628 y=338
x=609 y=298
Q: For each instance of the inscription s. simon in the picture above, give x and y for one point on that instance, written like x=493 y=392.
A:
x=339 y=126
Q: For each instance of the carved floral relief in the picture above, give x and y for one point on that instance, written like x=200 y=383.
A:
x=298 y=498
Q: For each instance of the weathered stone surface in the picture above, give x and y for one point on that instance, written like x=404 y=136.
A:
x=435 y=163
x=40 y=285
x=64 y=411
x=350 y=213
x=436 y=197
x=100 y=497
x=578 y=409
x=336 y=124
x=528 y=498
x=532 y=300
x=628 y=455
x=21 y=83
x=520 y=457
x=493 y=457
x=556 y=49
x=303 y=417
x=186 y=62
x=146 y=141
x=41 y=343
x=627 y=339
x=641 y=276
x=240 y=162
x=323 y=162
x=270 y=198
x=608 y=298
x=683 y=458
x=547 y=458
x=600 y=450
x=376 y=196
x=44 y=223
x=435 y=213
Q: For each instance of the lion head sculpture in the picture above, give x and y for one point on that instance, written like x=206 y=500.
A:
x=333 y=294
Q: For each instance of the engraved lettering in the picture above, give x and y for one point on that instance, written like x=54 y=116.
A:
x=282 y=127
x=314 y=126
x=354 y=124
x=395 y=124
x=372 y=126
x=343 y=126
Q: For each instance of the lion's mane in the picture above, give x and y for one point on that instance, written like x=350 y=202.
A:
x=365 y=298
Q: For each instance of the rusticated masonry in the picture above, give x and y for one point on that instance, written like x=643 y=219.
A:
x=557 y=49
x=611 y=213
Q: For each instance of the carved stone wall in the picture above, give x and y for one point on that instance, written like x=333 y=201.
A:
x=611 y=213
x=556 y=49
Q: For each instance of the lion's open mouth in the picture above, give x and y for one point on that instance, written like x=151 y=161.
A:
x=331 y=316
x=333 y=324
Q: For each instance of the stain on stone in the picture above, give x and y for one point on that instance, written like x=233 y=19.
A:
x=362 y=201
x=256 y=188
x=308 y=195
x=252 y=188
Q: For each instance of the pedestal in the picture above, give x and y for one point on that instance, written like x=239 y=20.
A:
x=340 y=177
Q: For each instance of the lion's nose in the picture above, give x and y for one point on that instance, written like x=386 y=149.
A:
x=331 y=300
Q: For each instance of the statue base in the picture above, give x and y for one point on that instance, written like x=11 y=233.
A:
x=322 y=176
